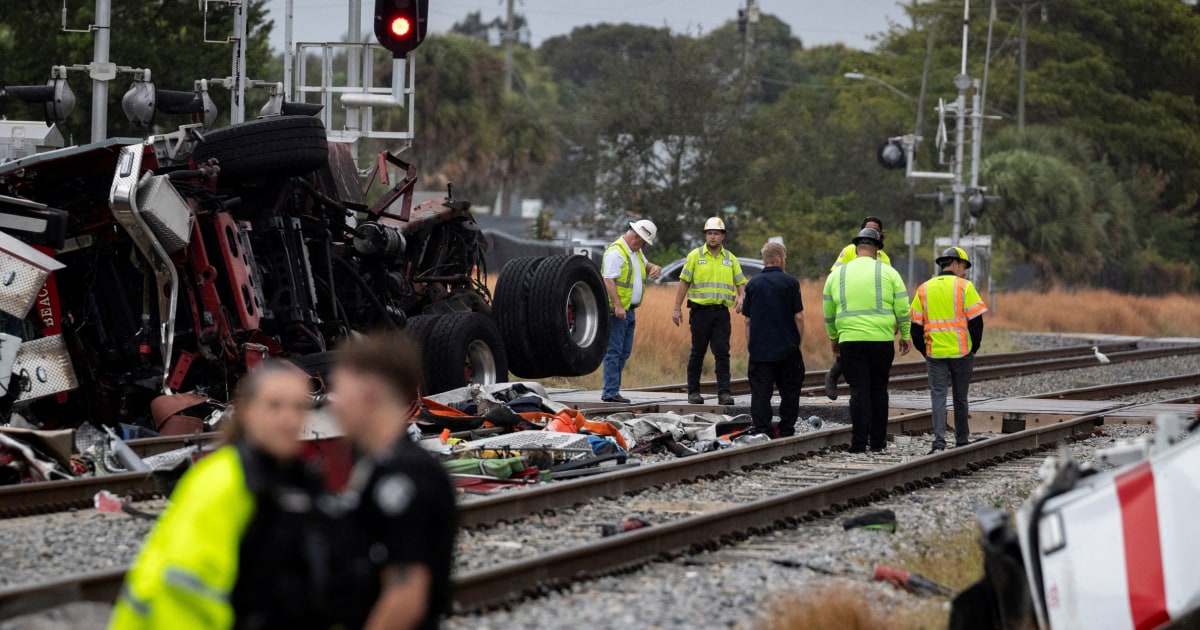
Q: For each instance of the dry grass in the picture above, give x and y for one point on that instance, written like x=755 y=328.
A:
x=840 y=605
x=952 y=559
x=661 y=349
x=1097 y=311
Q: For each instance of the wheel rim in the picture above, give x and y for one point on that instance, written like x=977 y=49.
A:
x=583 y=314
x=480 y=364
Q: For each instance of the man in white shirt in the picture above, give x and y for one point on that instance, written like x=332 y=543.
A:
x=625 y=271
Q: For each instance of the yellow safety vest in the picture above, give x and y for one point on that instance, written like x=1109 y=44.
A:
x=712 y=279
x=943 y=306
x=624 y=282
x=850 y=252
x=185 y=574
x=865 y=300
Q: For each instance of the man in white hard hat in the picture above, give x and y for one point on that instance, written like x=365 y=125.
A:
x=712 y=281
x=625 y=272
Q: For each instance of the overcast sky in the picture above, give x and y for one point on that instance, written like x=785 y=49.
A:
x=814 y=21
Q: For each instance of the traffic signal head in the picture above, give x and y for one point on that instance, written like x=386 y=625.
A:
x=891 y=154
x=400 y=24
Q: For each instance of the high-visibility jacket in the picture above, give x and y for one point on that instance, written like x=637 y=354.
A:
x=943 y=306
x=624 y=282
x=185 y=574
x=712 y=279
x=850 y=252
x=865 y=300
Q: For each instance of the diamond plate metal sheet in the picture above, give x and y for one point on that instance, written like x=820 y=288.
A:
x=533 y=439
x=23 y=271
x=45 y=367
x=166 y=212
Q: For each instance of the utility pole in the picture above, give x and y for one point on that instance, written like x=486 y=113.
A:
x=354 y=62
x=963 y=83
x=751 y=23
x=505 y=205
x=509 y=35
x=1021 y=73
x=100 y=78
x=924 y=79
x=237 y=91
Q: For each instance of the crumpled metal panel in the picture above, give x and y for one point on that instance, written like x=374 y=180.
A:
x=23 y=271
x=45 y=367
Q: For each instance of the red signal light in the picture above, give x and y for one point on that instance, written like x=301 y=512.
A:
x=401 y=26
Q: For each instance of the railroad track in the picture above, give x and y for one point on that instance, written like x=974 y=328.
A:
x=55 y=496
x=26 y=499
x=500 y=584
x=912 y=374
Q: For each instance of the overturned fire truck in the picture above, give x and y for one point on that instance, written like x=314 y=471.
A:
x=131 y=269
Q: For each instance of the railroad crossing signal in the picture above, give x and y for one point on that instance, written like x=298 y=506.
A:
x=400 y=25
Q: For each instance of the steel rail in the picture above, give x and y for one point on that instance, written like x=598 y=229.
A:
x=816 y=378
x=497 y=585
x=494 y=586
x=1122 y=389
x=567 y=493
x=25 y=499
x=102 y=586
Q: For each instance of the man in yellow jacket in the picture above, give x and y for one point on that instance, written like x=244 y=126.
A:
x=711 y=281
x=947 y=328
x=865 y=302
x=848 y=253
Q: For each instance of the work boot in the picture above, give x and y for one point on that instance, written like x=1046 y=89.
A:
x=725 y=399
x=831 y=380
x=695 y=399
x=617 y=399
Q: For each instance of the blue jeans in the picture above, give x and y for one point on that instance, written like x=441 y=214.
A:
x=953 y=375
x=620 y=345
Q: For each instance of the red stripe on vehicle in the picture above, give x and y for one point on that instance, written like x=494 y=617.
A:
x=1143 y=550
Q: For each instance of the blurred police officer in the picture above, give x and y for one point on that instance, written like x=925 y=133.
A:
x=947 y=327
x=625 y=272
x=865 y=301
x=850 y=252
x=712 y=280
x=774 y=315
x=399 y=539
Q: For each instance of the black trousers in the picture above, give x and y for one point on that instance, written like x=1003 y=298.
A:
x=710 y=327
x=867 y=365
x=765 y=376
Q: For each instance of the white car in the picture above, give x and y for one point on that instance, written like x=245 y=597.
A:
x=670 y=272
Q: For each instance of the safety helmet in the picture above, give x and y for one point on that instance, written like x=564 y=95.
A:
x=646 y=229
x=869 y=235
x=714 y=223
x=952 y=253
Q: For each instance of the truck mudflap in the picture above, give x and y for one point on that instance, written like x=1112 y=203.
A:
x=1107 y=549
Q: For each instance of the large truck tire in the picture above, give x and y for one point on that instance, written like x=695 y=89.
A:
x=283 y=145
x=568 y=308
x=459 y=348
x=510 y=308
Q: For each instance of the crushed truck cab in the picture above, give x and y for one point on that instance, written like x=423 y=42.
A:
x=1096 y=548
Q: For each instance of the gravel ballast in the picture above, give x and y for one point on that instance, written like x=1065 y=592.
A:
x=720 y=589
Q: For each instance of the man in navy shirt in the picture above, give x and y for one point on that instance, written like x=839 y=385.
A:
x=774 y=315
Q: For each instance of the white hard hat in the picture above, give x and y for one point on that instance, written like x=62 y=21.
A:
x=645 y=228
x=714 y=223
